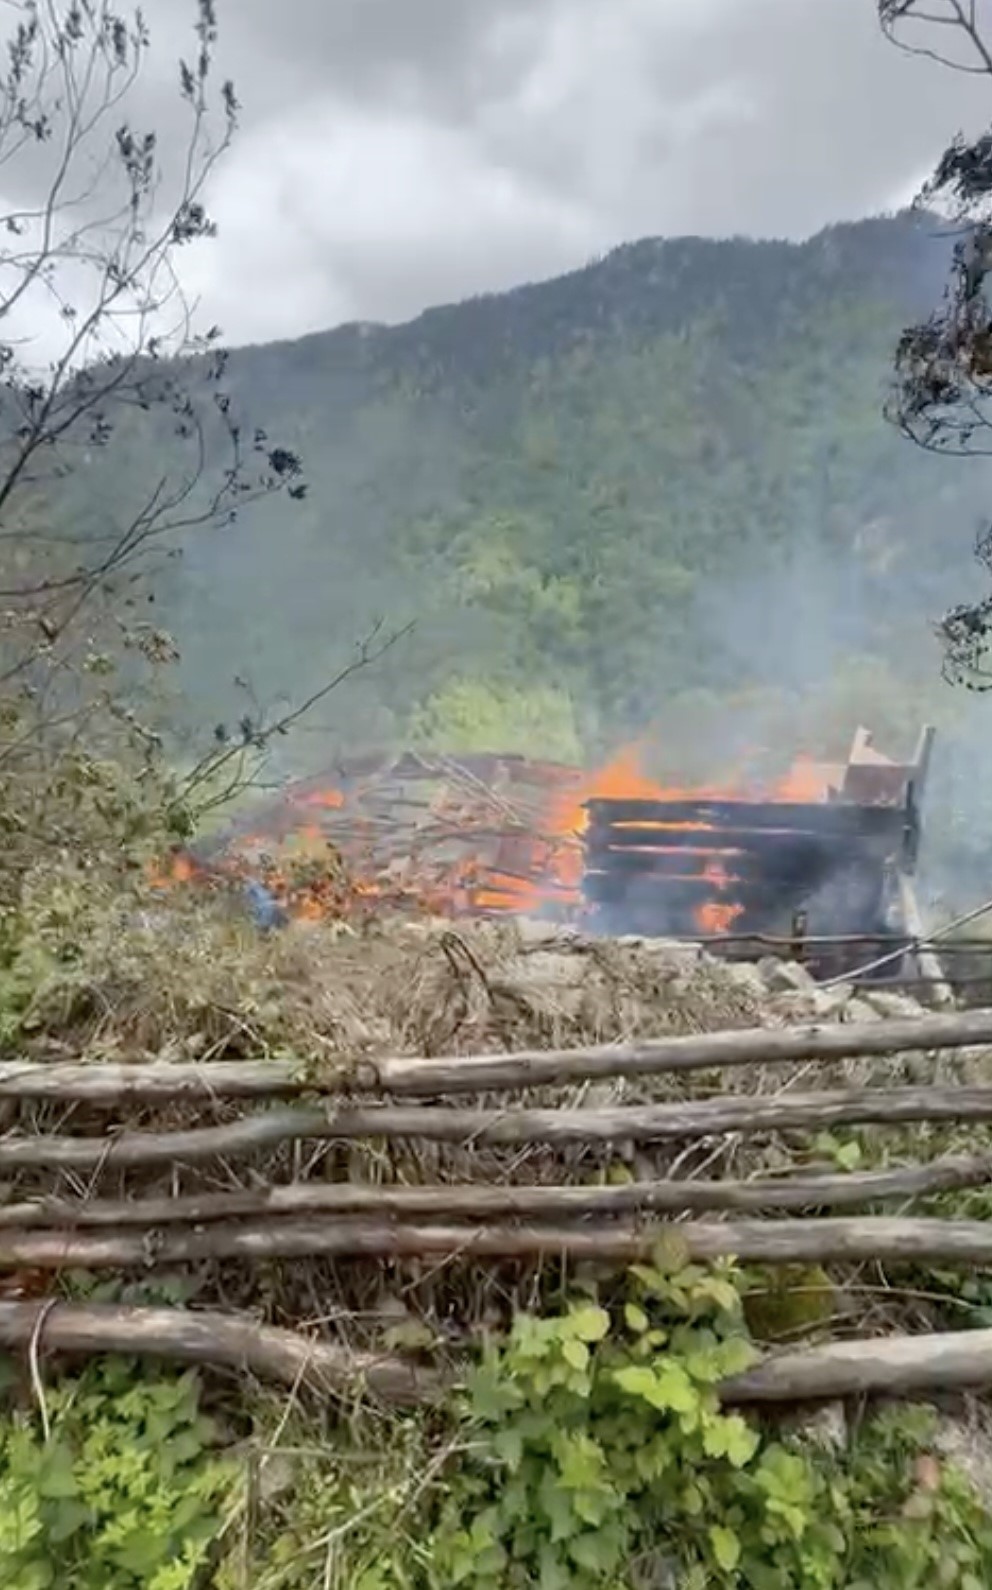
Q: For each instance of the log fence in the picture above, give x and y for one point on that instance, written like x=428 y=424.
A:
x=51 y=1226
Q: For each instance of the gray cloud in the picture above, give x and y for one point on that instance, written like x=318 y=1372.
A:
x=398 y=153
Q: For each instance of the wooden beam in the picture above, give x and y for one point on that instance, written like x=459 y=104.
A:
x=896 y=1366
x=930 y=968
x=156 y=1082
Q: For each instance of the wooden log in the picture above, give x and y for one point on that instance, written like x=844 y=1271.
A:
x=421 y=1077
x=814 y=1241
x=155 y=1083
x=883 y=1367
x=659 y=1056
x=893 y=1366
x=214 y=1339
x=474 y=1202
x=437 y=1124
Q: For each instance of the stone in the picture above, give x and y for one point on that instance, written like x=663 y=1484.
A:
x=827 y=1426
x=533 y=933
x=783 y=977
x=746 y=975
x=894 y=1006
x=859 y=1010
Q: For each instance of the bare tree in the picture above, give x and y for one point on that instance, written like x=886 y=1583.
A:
x=97 y=344
x=942 y=396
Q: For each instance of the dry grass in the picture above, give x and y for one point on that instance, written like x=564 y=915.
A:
x=192 y=978
x=186 y=976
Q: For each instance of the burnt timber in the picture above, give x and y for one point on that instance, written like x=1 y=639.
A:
x=733 y=868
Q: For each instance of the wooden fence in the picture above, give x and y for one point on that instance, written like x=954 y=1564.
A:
x=51 y=1221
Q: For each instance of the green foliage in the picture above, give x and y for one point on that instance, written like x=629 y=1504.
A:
x=590 y=1452
x=599 y=482
x=476 y=715
x=125 y=1494
x=601 y=1457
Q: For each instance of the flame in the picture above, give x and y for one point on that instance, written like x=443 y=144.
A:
x=470 y=855
x=329 y=799
x=717 y=916
x=805 y=782
x=624 y=778
x=178 y=868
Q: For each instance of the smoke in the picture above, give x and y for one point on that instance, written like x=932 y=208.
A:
x=815 y=643
x=816 y=623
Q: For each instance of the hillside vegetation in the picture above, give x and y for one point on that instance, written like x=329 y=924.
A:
x=666 y=471
x=657 y=492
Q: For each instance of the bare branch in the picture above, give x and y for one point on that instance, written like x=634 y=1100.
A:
x=942 y=396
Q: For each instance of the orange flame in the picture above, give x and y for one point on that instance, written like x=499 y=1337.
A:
x=327 y=863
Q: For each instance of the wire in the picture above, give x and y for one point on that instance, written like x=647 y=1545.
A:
x=887 y=960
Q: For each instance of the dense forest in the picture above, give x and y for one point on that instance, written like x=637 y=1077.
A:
x=657 y=492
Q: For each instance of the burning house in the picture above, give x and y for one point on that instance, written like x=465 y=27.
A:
x=826 y=852
x=755 y=871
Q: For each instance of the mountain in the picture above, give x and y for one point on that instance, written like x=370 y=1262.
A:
x=634 y=494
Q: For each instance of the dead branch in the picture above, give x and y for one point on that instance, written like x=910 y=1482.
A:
x=436 y=1124
x=893 y=1367
x=814 y=1241
x=469 y=1202
x=213 y=1339
x=528 y=1068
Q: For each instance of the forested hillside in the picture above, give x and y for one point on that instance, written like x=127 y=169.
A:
x=637 y=494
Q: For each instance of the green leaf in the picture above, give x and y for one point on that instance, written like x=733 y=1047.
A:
x=670 y=1254
x=674 y=1389
x=735 y=1355
x=553 y=1574
x=589 y=1323
x=595 y=1550
x=726 y=1547
x=637 y=1380
x=741 y=1441
x=57 y=1479
x=556 y=1504
x=666 y=1388
x=635 y=1318
x=576 y=1353
x=509 y=1446
x=731 y=1438
x=581 y=1462
x=722 y=1293
x=493 y=1394
x=848 y=1156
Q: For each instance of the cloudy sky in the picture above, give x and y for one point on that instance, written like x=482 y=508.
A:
x=395 y=154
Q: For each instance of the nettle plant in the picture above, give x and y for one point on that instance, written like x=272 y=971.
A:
x=601 y=1456
x=121 y=1487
